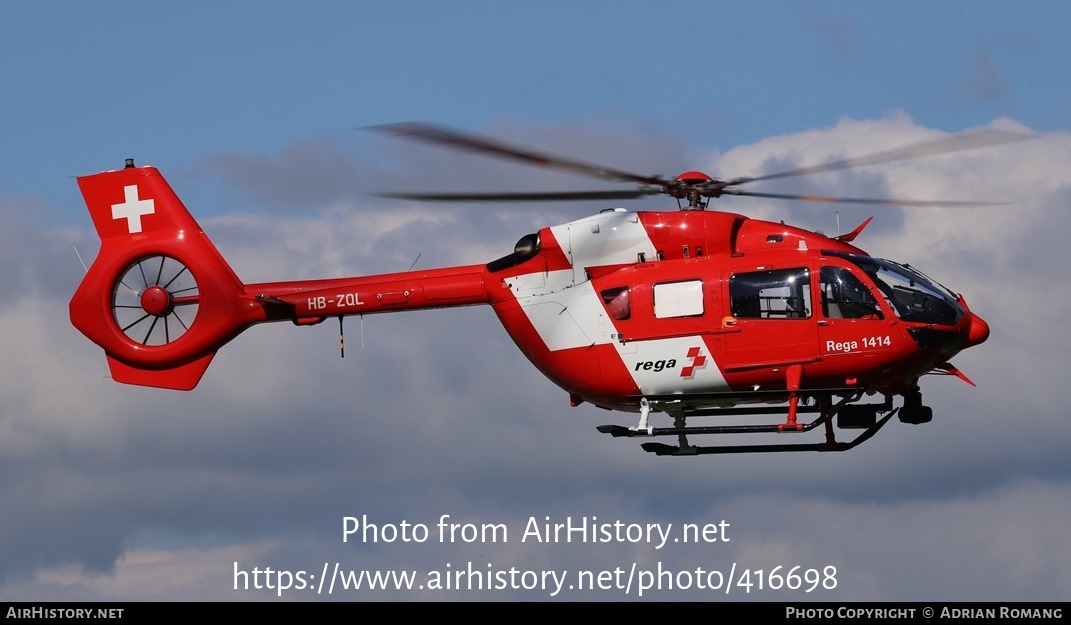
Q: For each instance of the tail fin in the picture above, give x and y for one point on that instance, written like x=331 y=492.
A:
x=159 y=298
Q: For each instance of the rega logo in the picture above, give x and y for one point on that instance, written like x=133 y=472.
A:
x=656 y=365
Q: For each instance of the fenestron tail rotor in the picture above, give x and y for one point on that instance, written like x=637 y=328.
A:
x=155 y=300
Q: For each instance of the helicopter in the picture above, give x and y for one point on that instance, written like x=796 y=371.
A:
x=688 y=313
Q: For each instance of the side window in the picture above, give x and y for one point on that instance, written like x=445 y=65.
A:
x=617 y=302
x=845 y=297
x=678 y=299
x=776 y=294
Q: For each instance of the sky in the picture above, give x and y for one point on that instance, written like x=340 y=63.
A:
x=257 y=115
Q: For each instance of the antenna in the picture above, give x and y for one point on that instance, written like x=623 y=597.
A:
x=341 y=338
x=80 y=258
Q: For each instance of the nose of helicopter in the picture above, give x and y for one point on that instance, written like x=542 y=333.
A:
x=978 y=332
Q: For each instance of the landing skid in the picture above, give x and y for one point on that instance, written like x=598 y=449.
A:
x=682 y=431
x=661 y=449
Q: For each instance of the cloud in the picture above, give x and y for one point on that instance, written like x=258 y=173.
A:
x=439 y=413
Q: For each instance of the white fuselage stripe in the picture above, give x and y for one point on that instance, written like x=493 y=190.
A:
x=567 y=313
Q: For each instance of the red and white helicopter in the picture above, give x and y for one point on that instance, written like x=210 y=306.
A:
x=692 y=312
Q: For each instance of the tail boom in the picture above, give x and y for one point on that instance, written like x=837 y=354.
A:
x=413 y=290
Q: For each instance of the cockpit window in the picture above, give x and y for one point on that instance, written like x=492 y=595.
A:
x=911 y=295
x=845 y=297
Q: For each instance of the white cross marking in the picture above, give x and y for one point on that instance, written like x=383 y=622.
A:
x=132 y=209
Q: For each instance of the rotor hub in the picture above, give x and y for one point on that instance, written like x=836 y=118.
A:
x=693 y=177
x=156 y=301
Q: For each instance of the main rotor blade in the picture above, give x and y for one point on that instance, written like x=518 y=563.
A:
x=454 y=139
x=848 y=200
x=553 y=196
x=956 y=143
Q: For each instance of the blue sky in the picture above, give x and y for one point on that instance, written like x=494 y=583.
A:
x=253 y=111
x=171 y=81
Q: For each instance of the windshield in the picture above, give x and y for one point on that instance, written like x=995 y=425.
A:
x=911 y=295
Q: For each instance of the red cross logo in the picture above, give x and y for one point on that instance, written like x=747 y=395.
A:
x=697 y=361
